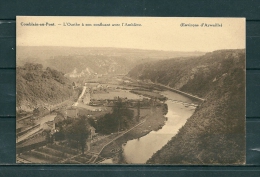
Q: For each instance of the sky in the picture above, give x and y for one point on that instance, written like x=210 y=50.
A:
x=155 y=33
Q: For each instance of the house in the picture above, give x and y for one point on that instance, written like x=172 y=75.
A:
x=72 y=113
x=40 y=111
x=58 y=118
x=110 y=103
x=48 y=126
x=127 y=81
x=92 y=132
x=86 y=99
x=96 y=102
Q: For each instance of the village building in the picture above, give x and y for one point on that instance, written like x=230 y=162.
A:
x=127 y=81
x=72 y=113
x=92 y=131
x=48 y=126
x=59 y=118
x=40 y=111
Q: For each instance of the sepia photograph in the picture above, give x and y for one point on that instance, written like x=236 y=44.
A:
x=130 y=90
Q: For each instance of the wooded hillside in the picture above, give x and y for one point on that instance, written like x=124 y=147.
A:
x=215 y=133
x=37 y=86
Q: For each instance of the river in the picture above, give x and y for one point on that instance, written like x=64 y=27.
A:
x=180 y=108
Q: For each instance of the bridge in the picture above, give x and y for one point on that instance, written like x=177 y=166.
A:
x=180 y=92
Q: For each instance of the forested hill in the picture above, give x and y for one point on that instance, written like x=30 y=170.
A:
x=36 y=86
x=215 y=133
x=195 y=75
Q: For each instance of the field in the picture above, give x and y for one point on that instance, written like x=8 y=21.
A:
x=113 y=94
x=85 y=112
x=149 y=94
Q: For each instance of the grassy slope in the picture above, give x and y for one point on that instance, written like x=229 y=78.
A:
x=216 y=131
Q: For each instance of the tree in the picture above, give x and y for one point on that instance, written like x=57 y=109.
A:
x=92 y=122
x=138 y=111
x=118 y=112
x=120 y=118
x=78 y=132
x=48 y=137
x=36 y=112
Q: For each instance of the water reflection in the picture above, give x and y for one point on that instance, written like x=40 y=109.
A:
x=140 y=150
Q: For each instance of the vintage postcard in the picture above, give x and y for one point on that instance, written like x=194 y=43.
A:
x=130 y=90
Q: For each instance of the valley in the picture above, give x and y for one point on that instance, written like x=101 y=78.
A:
x=132 y=107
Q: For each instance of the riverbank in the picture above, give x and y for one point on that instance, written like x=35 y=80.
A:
x=154 y=121
x=215 y=133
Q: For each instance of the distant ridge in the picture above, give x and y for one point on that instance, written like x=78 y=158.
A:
x=84 y=61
